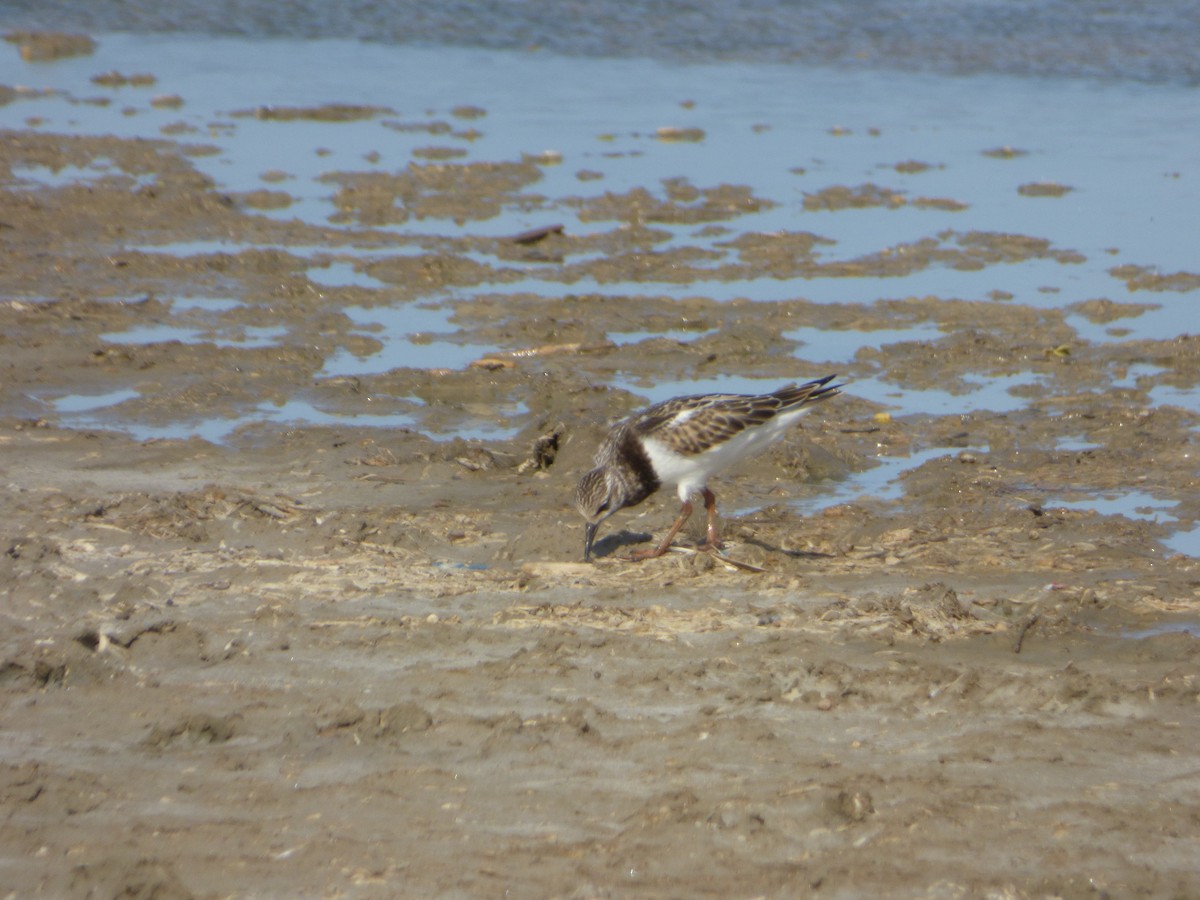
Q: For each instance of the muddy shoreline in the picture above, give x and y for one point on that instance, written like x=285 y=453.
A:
x=361 y=656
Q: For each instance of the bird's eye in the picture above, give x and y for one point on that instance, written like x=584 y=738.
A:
x=603 y=507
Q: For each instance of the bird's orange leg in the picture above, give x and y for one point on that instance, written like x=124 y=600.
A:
x=710 y=506
x=684 y=512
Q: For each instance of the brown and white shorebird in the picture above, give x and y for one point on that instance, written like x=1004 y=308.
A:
x=682 y=442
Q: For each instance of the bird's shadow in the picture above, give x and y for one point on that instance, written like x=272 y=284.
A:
x=611 y=543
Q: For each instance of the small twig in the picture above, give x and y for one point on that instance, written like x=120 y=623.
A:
x=1029 y=623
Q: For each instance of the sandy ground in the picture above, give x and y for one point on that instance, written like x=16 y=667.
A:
x=340 y=661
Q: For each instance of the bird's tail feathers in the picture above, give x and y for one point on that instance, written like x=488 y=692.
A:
x=810 y=392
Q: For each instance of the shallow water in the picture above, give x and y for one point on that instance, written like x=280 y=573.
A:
x=1072 y=38
x=762 y=125
x=1123 y=150
x=413 y=336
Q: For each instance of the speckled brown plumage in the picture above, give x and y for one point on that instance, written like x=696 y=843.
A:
x=683 y=441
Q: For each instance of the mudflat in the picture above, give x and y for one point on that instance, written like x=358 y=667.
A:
x=340 y=658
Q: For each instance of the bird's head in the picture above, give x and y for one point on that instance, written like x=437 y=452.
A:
x=596 y=498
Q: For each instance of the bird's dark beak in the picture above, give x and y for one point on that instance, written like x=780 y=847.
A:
x=589 y=538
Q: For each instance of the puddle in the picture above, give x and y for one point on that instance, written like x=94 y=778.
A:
x=841 y=346
x=1143 y=507
x=294 y=412
x=1022 y=280
x=1173 y=317
x=327 y=269
x=882 y=482
x=1169 y=395
x=343 y=274
x=247 y=336
x=77 y=411
x=83 y=403
x=1185 y=541
x=208 y=312
x=65 y=176
x=414 y=336
x=460 y=567
x=1135 y=372
x=80 y=411
x=992 y=393
x=1185 y=627
x=1130 y=504
x=324 y=252
x=1075 y=444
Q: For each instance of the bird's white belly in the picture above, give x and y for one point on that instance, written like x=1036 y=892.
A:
x=691 y=473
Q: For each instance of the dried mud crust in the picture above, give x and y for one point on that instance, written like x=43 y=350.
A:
x=342 y=660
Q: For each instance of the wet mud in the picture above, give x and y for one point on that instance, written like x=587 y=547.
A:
x=330 y=658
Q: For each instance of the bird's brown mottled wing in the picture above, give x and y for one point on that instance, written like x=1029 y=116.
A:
x=714 y=421
x=691 y=425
